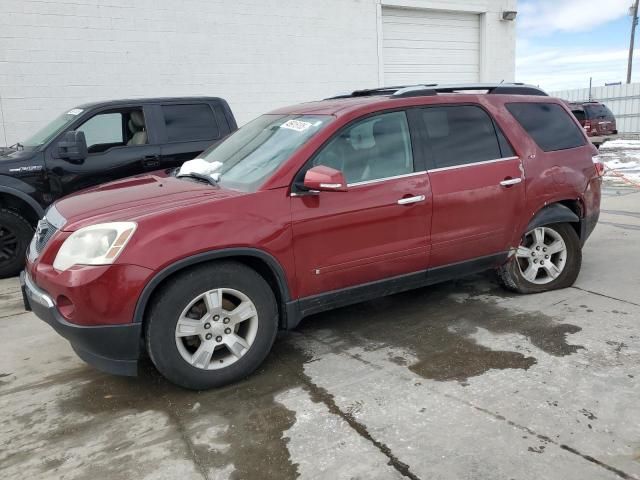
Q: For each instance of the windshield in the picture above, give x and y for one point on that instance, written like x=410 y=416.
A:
x=51 y=129
x=245 y=159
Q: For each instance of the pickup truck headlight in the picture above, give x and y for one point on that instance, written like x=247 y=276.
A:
x=94 y=245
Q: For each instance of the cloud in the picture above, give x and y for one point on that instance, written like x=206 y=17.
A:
x=541 y=17
x=558 y=69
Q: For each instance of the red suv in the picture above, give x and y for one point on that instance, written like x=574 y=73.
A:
x=309 y=208
x=597 y=120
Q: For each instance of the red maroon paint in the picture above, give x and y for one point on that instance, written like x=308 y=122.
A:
x=333 y=239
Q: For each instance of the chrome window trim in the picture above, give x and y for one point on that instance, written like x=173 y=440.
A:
x=495 y=160
x=378 y=180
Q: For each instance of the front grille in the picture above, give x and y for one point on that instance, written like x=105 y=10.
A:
x=44 y=232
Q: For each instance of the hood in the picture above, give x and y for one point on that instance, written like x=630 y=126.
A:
x=4 y=151
x=133 y=198
x=15 y=163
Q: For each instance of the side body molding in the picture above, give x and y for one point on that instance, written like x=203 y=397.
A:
x=272 y=263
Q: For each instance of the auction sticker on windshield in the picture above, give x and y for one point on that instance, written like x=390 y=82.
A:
x=75 y=111
x=297 y=125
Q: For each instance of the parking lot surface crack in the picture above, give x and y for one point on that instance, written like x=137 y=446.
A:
x=621 y=212
x=321 y=395
x=606 y=296
x=175 y=418
x=545 y=438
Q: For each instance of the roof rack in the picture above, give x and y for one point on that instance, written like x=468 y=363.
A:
x=403 y=91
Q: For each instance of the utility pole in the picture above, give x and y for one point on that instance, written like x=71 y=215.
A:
x=633 y=11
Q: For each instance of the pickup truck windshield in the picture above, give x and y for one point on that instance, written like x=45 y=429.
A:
x=244 y=160
x=51 y=129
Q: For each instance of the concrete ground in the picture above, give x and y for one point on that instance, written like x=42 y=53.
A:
x=456 y=381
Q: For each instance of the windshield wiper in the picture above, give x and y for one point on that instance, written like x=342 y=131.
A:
x=199 y=176
x=18 y=146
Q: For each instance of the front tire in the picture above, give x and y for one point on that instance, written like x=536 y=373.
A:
x=211 y=325
x=15 y=235
x=548 y=258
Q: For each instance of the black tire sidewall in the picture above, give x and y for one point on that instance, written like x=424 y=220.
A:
x=173 y=298
x=569 y=273
x=23 y=232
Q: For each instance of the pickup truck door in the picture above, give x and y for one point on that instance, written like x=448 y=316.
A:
x=121 y=142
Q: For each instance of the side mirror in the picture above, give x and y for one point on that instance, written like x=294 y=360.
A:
x=73 y=147
x=325 y=179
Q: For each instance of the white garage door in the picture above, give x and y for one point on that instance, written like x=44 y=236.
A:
x=428 y=46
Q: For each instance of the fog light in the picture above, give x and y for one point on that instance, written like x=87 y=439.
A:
x=65 y=306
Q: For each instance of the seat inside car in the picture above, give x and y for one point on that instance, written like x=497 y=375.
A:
x=390 y=155
x=137 y=128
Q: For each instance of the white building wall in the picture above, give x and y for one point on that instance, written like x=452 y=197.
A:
x=622 y=100
x=258 y=54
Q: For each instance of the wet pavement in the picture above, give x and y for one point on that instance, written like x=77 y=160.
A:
x=459 y=380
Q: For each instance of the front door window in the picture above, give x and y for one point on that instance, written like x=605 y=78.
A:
x=114 y=129
x=372 y=149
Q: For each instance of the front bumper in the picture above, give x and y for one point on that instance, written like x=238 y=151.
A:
x=111 y=348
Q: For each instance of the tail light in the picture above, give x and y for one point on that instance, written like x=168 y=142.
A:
x=589 y=128
x=599 y=166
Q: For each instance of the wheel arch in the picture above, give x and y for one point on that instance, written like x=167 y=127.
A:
x=565 y=211
x=22 y=203
x=260 y=261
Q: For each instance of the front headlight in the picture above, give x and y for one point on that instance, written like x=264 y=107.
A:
x=94 y=245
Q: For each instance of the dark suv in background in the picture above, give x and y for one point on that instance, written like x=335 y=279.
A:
x=597 y=120
x=95 y=143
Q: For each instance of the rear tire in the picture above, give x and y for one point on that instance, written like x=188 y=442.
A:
x=195 y=332
x=526 y=271
x=15 y=235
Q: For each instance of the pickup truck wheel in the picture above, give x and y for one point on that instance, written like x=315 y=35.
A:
x=15 y=235
x=548 y=258
x=211 y=325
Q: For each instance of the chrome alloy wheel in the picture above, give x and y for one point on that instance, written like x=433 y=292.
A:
x=542 y=255
x=216 y=329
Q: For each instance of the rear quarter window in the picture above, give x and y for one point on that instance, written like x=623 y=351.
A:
x=580 y=115
x=189 y=123
x=550 y=125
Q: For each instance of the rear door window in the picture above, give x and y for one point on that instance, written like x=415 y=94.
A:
x=188 y=123
x=550 y=125
x=460 y=135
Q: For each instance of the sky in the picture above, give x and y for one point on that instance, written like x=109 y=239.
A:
x=561 y=43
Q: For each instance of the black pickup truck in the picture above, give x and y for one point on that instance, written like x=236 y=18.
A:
x=95 y=143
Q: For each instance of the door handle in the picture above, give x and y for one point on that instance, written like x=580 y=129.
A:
x=507 y=182
x=410 y=200
x=151 y=160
